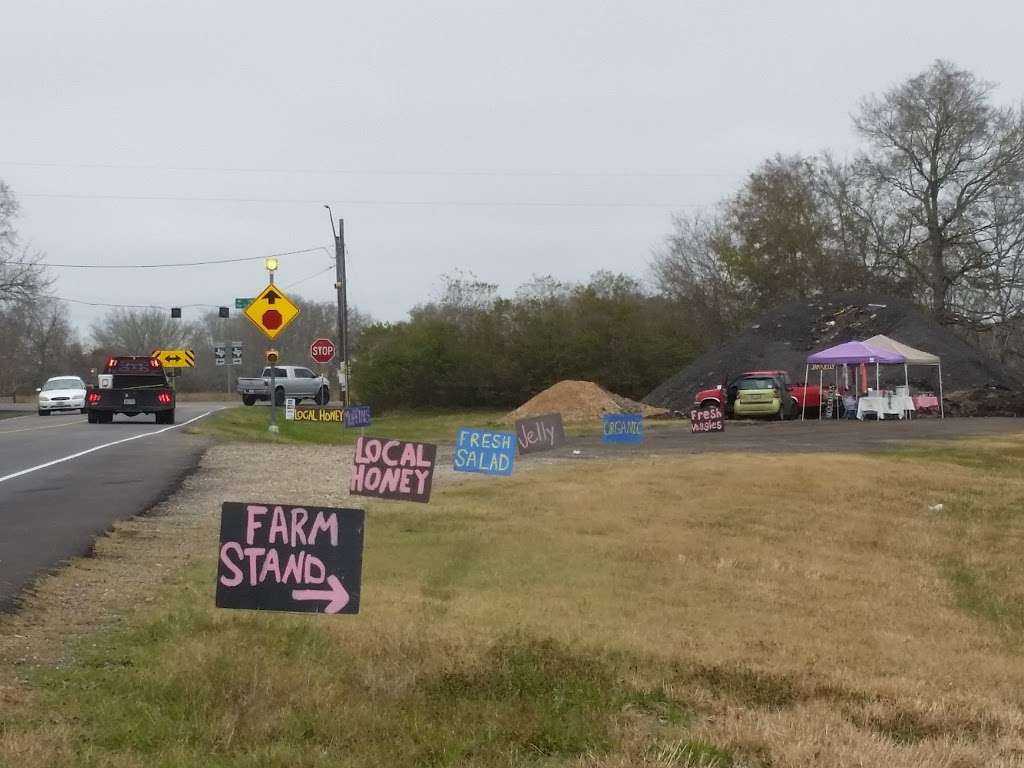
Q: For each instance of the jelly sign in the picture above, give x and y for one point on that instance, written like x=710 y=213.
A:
x=540 y=433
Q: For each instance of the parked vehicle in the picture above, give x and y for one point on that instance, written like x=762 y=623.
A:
x=131 y=385
x=289 y=381
x=761 y=393
x=61 y=393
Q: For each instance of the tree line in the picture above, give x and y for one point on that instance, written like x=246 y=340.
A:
x=931 y=208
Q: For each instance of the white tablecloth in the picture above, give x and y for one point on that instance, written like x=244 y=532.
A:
x=894 y=405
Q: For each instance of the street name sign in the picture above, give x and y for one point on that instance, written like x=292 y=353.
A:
x=271 y=311
x=283 y=557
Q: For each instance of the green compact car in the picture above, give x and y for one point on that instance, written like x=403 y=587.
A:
x=762 y=396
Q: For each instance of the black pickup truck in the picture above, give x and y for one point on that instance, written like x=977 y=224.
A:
x=130 y=385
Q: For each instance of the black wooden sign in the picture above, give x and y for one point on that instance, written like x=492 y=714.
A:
x=703 y=420
x=393 y=469
x=282 y=557
x=540 y=433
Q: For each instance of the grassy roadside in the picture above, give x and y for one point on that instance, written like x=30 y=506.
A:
x=250 y=425
x=716 y=610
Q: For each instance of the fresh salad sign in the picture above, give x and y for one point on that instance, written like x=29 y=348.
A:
x=485 y=452
x=281 y=557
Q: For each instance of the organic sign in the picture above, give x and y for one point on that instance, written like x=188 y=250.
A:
x=393 y=469
x=357 y=416
x=280 y=557
x=622 y=428
x=710 y=419
x=540 y=433
x=489 y=453
x=319 y=414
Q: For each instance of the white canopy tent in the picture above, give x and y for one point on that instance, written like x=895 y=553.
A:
x=911 y=356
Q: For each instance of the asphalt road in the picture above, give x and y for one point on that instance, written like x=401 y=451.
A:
x=64 y=481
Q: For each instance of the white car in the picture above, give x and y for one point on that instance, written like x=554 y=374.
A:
x=62 y=393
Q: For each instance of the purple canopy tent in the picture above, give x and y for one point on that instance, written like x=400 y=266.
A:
x=852 y=352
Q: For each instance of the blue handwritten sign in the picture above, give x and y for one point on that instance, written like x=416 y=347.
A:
x=489 y=453
x=357 y=416
x=622 y=428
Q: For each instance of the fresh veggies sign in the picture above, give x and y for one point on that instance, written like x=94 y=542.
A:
x=282 y=557
x=703 y=420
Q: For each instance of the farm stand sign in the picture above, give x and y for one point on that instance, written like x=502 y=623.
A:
x=281 y=557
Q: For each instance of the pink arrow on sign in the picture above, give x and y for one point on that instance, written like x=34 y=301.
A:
x=336 y=595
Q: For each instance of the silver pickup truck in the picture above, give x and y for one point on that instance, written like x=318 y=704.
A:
x=289 y=381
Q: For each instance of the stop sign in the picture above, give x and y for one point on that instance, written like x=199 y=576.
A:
x=322 y=350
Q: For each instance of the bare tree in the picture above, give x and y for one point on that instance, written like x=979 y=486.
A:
x=22 y=271
x=938 y=151
x=140 y=331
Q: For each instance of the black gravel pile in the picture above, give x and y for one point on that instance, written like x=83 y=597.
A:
x=783 y=338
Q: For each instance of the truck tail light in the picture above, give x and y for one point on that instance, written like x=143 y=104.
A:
x=93 y=397
x=111 y=362
x=154 y=363
x=165 y=398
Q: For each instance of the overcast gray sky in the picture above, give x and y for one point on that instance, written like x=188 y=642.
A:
x=507 y=139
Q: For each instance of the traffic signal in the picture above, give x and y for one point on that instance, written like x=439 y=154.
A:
x=223 y=312
x=175 y=311
x=271 y=356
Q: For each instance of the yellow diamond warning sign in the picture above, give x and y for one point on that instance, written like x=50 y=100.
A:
x=271 y=311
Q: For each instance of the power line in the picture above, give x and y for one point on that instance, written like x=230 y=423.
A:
x=421 y=203
x=384 y=172
x=186 y=263
x=303 y=280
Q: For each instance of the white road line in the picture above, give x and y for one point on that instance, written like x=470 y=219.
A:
x=37 y=429
x=95 y=448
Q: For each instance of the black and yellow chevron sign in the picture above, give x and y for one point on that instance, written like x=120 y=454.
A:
x=175 y=358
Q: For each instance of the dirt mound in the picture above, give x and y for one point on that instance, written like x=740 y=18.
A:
x=581 y=401
x=984 y=402
x=783 y=338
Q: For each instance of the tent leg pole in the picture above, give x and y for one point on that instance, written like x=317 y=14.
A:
x=906 y=382
x=821 y=378
x=942 y=410
x=803 y=409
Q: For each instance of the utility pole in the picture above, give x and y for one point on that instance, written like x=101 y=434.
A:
x=341 y=284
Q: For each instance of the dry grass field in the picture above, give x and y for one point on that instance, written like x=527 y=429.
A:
x=712 y=610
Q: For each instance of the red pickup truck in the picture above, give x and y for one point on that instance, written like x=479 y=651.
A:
x=767 y=393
